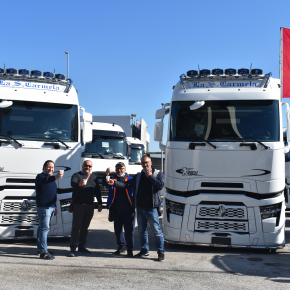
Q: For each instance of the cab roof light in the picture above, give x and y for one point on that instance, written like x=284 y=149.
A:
x=243 y=71
x=192 y=73
x=11 y=71
x=23 y=72
x=60 y=77
x=36 y=73
x=217 y=71
x=204 y=72
x=230 y=71
x=48 y=75
x=256 y=71
x=2 y=71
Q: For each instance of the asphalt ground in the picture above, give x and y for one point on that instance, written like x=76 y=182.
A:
x=184 y=267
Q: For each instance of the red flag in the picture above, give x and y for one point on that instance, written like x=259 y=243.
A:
x=285 y=62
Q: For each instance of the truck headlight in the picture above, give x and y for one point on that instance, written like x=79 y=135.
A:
x=65 y=203
x=269 y=211
x=174 y=207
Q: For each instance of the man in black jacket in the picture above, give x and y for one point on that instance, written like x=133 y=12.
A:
x=122 y=203
x=85 y=187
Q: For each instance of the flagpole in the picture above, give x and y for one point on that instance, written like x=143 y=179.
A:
x=281 y=62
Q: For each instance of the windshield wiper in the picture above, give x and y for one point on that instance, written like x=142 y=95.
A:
x=252 y=139
x=214 y=146
x=11 y=138
x=118 y=156
x=50 y=138
x=98 y=154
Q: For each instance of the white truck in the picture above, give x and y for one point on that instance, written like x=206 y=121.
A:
x=287 y=175
x=110 y=146
x=39 y=121
x=136 y=150
x=225 y=167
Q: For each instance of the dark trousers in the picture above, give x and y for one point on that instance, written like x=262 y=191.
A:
x=124 y=219
x=82 y=216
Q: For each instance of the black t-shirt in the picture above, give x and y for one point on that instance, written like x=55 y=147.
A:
x=144 y=195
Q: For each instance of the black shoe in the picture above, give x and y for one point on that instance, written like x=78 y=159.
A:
x=84 y=250
x=46 y=256
x=160 y=256
x=142 y=253
x=119 y=251
x=51 y=252
x=72 y=253
x=129 y=253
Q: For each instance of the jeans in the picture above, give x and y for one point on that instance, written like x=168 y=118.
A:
x=44 y=215
x=124 y=219
x=151 y=215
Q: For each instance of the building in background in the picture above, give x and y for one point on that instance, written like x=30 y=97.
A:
x=131 y=127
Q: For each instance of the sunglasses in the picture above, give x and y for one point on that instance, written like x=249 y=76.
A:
x=88 y=166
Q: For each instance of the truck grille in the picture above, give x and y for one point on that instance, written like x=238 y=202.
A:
x=9 y=219
x=16 y=206
x=213 y=211
x=213 y=225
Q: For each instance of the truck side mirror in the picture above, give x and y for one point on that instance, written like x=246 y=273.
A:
x=158 y=131
x=160 y=113
x=87 y=127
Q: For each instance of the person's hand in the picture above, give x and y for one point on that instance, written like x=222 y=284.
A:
x=148 y=172
x=82 y=182
x=55 y=212
x=108 y=171
x=99 y=208
x=59 y=175
x=111 y=182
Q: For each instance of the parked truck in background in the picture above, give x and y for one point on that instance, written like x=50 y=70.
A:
x=110 y=146
x=136 y=150
x=39 y=121
x=225 y=166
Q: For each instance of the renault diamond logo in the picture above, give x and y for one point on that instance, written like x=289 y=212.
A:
x=25 y=205
x=221 y=210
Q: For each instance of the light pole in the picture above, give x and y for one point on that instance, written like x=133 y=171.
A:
x=66 y=52
x=132 y=117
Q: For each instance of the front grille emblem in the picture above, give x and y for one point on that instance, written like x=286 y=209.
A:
x=25 y=205
x=221 y=210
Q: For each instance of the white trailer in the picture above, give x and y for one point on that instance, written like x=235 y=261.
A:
x=39 y=121
x=225 y=167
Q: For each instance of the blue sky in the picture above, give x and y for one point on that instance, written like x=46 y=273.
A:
x=125 y=56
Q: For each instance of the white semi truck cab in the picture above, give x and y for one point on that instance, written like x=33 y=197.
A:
x=225 y=167
x=110 y=146
x=39 y=121
x=136 y=150
x=107 y=149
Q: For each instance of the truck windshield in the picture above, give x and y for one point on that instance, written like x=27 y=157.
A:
x=136 y=155
x=107 y=146
x=225 y=121
x=26 y=120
